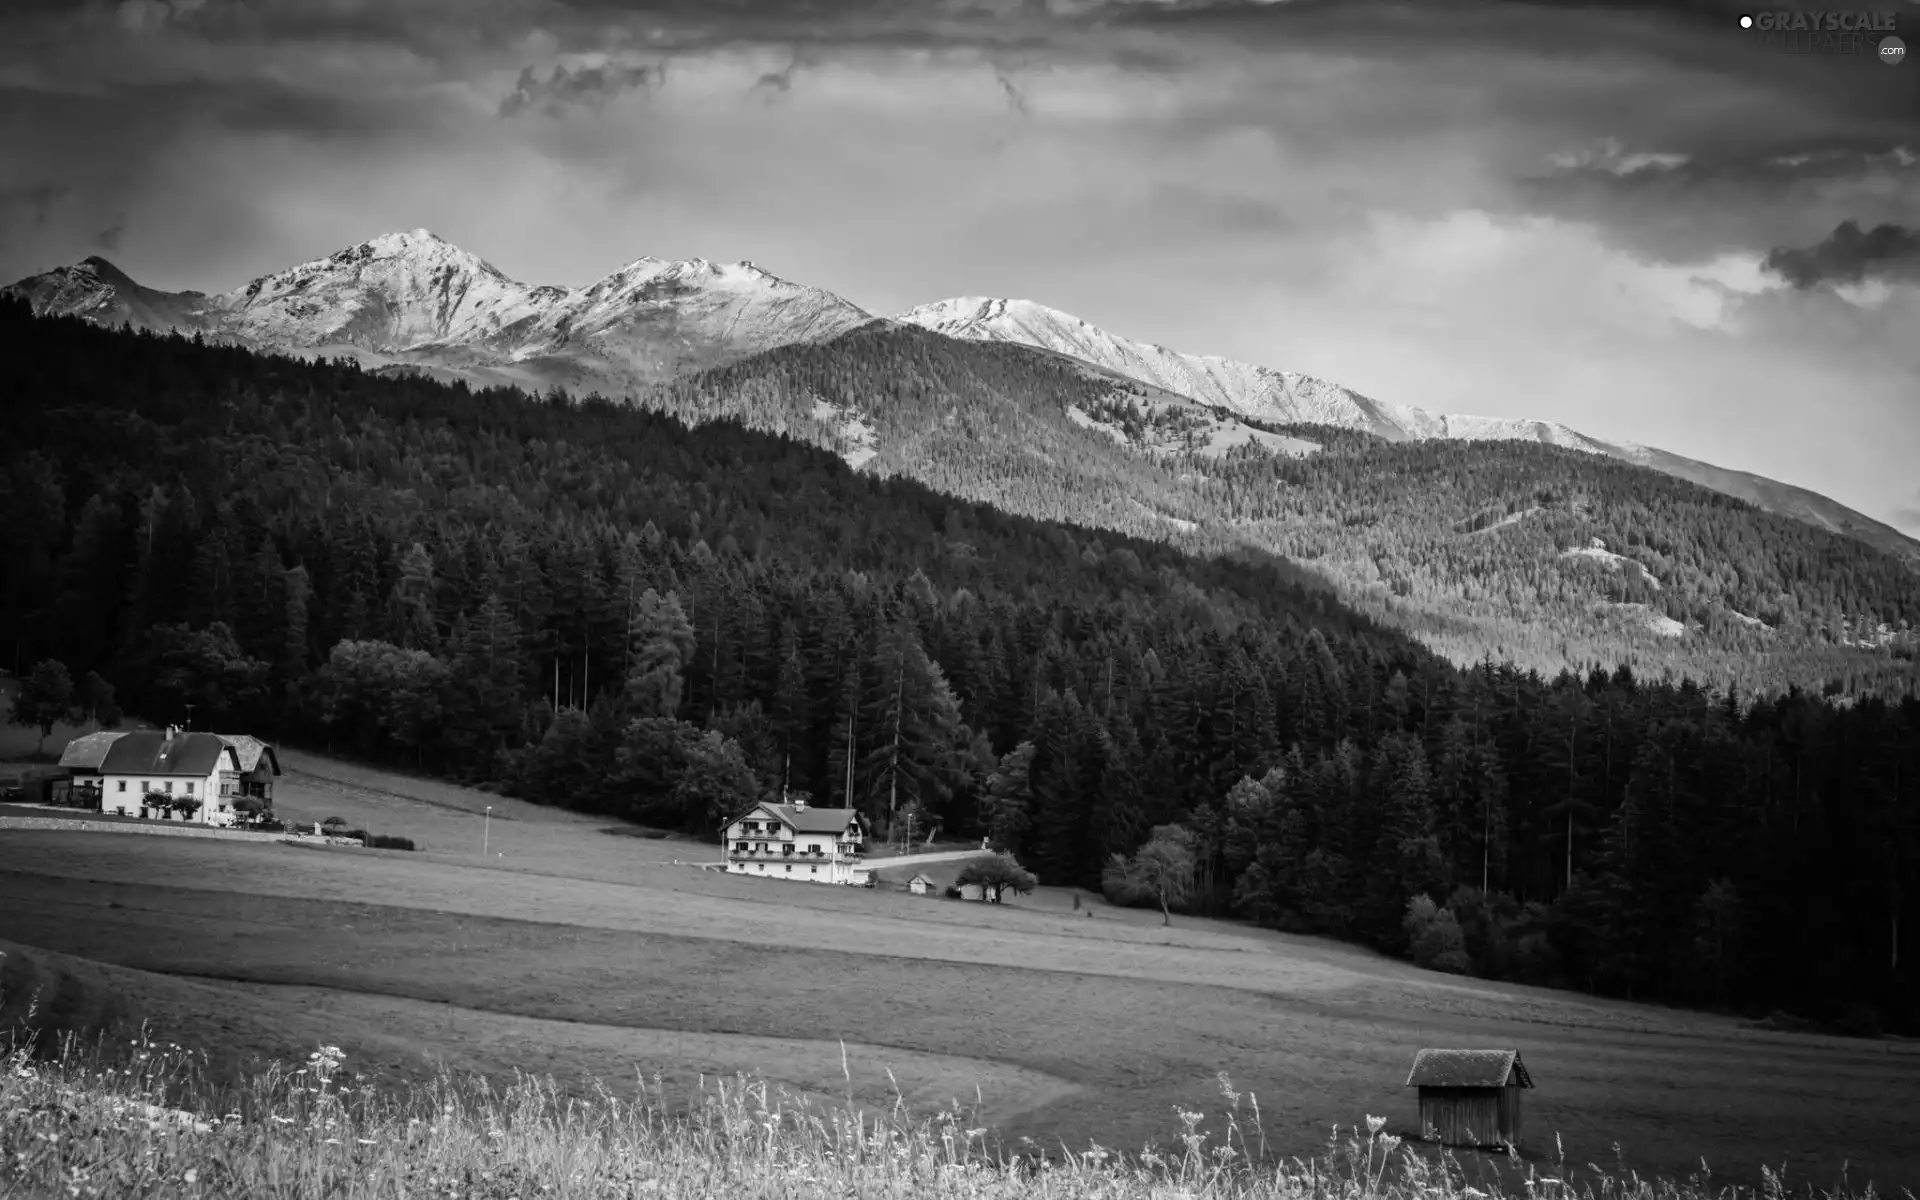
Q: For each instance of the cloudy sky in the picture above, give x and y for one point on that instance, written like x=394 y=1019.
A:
x=1632 y=218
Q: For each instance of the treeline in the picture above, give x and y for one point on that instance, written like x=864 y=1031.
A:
x=608 y=610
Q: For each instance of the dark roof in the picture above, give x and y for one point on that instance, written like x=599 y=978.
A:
x=1468 y=1068
x=249 y=750
x=87 y=752
x=149 y=753
x=808 y=819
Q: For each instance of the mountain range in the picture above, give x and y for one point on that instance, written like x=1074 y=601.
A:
x=414 y=301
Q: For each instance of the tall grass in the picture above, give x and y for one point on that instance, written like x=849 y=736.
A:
x=140 y=1118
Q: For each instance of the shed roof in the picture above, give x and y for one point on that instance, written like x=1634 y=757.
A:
x=1468 y=1068
x=89 y=751
x=150 y=753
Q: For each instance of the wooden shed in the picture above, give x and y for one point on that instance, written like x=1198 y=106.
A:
x=1469 y=1097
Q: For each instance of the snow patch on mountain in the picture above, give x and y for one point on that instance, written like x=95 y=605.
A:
x=1647 y=618
x=1596 y=551
x=1508 y=521
x=1079 y=417
x=1179 y=523
x=855 y=440
x=393 y=293
x=1258 y=393
x=416 y=297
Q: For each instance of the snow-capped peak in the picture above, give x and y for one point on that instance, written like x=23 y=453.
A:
x=1249 y=390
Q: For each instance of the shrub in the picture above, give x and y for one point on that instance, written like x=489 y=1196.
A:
x=380 y=841
x=269 y=825
x=1434 y=940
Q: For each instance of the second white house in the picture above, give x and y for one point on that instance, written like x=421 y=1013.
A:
x=797 y=841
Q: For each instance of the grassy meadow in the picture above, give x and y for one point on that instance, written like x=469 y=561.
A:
x=587 y=956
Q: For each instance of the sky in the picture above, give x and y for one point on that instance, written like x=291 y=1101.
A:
x=1633 y=218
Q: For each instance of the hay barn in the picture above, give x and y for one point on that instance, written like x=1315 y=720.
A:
x=1470 y=1097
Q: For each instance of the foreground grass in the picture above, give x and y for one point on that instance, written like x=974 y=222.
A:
x=71 y=1125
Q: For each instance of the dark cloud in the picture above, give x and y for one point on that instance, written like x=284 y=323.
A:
x=588 y=88
x=772 y=83
x=1016 y=99
x=1851 y=255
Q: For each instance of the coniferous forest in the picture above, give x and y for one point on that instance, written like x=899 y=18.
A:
x=605 y=609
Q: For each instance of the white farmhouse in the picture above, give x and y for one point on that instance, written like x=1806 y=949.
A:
x=797 y=841
x=169 y=765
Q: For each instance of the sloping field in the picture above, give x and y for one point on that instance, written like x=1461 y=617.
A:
x=402 y=1040
x=578 y=952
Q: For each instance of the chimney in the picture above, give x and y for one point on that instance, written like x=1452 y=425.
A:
x=799 y=801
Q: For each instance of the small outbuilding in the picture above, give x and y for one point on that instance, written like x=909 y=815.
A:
x=921 y=884
x=1470 y=1097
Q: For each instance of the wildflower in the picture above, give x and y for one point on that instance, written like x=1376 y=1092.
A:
x=1226 y=1088
x=190 y=1176
x=1375 y=1124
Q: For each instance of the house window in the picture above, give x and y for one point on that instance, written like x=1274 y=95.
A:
x=189 y=789
x=122 y=810
x=146 y=786
x=815 y=870
x=122 y=787
x=789 y=868
x=740 y=846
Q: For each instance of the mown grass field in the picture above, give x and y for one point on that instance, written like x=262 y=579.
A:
x=567 y=950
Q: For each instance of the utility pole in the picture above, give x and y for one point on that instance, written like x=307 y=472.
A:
x=486 y=831
x=849 y=760
x=189 y=709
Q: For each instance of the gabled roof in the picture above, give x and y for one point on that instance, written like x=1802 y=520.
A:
x=1468 y=1068
x=808 y=819
x=89 y=751
x=149 y=753
x=249 y=749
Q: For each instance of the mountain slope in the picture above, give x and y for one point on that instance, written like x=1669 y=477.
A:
x=416 y=300
x=1478 y=548
x=99 y=291
x=1287 y=398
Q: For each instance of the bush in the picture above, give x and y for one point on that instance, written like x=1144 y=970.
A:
x=380 y=841
x=269 y=825
x=1434 y=940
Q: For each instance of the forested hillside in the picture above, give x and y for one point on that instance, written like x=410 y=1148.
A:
x=418 y=573
x=1529 y=551
x=1477 y=548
